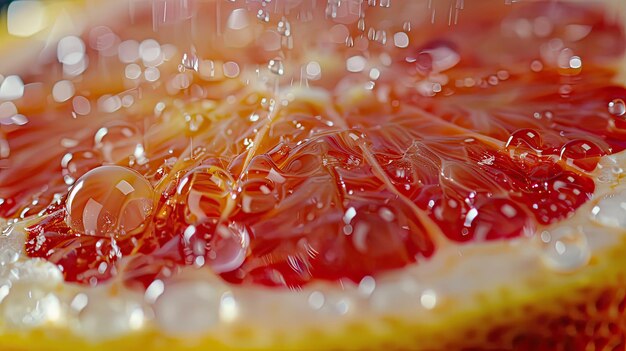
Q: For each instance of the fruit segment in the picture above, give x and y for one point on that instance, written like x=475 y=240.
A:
x=325 y=157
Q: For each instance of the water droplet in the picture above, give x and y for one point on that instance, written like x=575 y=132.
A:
x=581 y=153
x=12 y=88
x=11 y=245
x=284 y=27
x=109 y=103
x=103 y=39
x=536 y=66
x=26 y=18
x=316 y=300
x=381 y=37
x=128 y=51
x=367 y=285
x=565 y=249
x=117 y=141
x=406 y=26
x=393 y=295
x=79 y=302
x=62 y=90
x=401 y=40
x=150 y=52
x=439 y=58
x=189 y=61
x=30 y=307
x=513 y=220
x=71 y=50
x=527 y=138
x=190 y=307
x=331 y=8
x=276 y=66
x=361 y=24
x=349 y=41
x=428 y=299
x=263 y=15
x=257 y=196
x=575 y=62
x=611 y=210
x=356 y=63
x=617 y=107
x=8 y=111
x=81 y=105
x=231 y=69
x=106 y=317
x=152 y=74
x=194 y=122
x=75 y=164
x=109 y=200
x=132 y=71
x=229 y=308
x=219 y=246
x=206 y=191
x=313 y=70
x=386 y=214
x=153 y=291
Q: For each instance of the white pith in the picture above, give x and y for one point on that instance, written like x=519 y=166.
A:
x=198 y=304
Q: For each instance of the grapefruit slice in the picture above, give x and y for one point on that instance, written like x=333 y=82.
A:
x=305 y=175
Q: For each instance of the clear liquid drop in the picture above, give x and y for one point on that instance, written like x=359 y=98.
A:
x=263 y=15
x=361 y=24
x=331 y=8
x=189 y=61
x=284 y=27
x=194 y=122
x=109 y=200
x=75 y=164
x=117 y=141
x=205 y=190
x=349 y=41
x=617 y=107
x=611 y=211
x=565 y=249
x=276 y=66
x=188 y=307
x=381 y=37
x=223 y=247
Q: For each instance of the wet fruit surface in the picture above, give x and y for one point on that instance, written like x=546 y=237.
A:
x=395 y=147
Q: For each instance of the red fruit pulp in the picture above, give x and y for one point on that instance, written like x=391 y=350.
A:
x=481 y=129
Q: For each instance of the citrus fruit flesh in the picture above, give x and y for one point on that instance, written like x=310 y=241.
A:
x=314 y=175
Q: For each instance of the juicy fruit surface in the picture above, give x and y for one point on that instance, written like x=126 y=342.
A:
x=407 y=137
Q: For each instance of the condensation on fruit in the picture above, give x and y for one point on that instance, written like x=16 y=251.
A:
x=77 y=163
x=31 y=307
x=206 y=192
x=109 y=200
x=617 y=107
x=219 y=246
x=188 y=308
x=316 y=143
x=611 y=210
x=11 y=243
x=564 y=249
x=117 y=141
x=106 y=317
